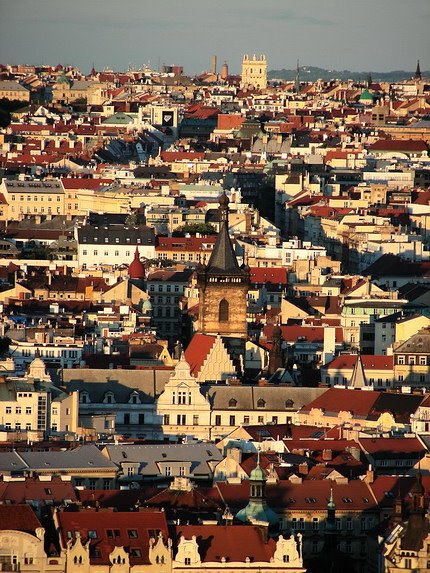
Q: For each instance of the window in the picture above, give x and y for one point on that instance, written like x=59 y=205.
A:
x=232 y=403
x=187 y=560
x=232 y=420
x=18 y=410
x=217 y=420
x=261 y=403
x=315 y=524
x=132 y=533
x=166 y=420
x=260 y=419
x=92 y=534
x=135 y=552
x=195 y=420
x=223 y=311
x=401 y=360
x=246 y=419
x=8 y=410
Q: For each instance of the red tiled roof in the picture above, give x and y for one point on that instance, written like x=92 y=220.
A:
x=185 y=243
x=392 y=445
x=353 y=496
x=170 y=156
x=314 y=334
x=18 y=518
x=336 y=400
x=230 y=121
x=146 y=524
x=370 y=362
x=398 y=145
x=198 y=350
x=274 y=275
x=55 y=490
x=84 y=183
x=234 y=542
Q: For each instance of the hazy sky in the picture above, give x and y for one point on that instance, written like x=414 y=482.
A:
x=359 y=35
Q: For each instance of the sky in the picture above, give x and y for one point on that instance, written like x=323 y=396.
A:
x=359 y=35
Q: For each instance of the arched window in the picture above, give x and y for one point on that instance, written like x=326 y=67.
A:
x=223 y=311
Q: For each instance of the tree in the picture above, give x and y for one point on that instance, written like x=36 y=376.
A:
x=194 y=228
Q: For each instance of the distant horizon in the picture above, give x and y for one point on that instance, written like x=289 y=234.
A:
x=371 y=34
x=108 y=68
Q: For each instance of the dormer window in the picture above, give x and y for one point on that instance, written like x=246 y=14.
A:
x=85 y=398
x=232 y=403
x=261 y=403
x=134 y=398
x=109 y=398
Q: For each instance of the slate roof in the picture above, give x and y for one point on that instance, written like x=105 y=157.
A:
x=276 y=398
x=149 y=455
x=149 y=382
x=116 y=235
x=83 y=457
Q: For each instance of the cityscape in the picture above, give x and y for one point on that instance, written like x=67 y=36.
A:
x=215 y=315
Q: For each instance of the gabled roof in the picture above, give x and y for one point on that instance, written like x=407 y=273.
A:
x=198 y=350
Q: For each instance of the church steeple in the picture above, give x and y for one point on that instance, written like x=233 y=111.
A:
x=418 y=75
x=257 y=508
x=223 y=259
x=223 y=286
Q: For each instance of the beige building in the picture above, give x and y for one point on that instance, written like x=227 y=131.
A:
x=254 y=72
x=22 y=541
x=34 y=404
x=31 y=198
x=14 y=91
x=412 y=360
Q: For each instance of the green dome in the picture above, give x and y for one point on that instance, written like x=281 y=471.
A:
x=257 y=474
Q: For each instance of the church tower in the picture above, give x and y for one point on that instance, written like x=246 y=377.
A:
x=223 y=286
x=254 y=72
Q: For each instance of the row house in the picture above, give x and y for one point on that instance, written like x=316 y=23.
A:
x=32 y=198
x=412 y=360
x=185 y=250
x=113 y=245
x=34 y=404
x=357 y=409
x=166 y=288
x=378 y=370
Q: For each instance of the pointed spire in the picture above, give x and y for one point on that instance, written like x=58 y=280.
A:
x=418 y=75
x=358 y=378
x=223 y=259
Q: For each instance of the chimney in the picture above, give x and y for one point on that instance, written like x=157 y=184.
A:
x=235 y=454
x=370 y=475
x=327 y=455
x=304 y=469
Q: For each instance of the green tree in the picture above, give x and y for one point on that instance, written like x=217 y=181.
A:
x=194 y=228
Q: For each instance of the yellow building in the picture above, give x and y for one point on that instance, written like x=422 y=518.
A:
x=31 y=198
x=254 y=72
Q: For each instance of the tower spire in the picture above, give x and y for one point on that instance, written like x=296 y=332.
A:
x=418 y=75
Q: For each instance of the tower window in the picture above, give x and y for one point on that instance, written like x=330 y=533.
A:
x=223 y=311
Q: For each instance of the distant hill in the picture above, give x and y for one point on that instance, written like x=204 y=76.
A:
x=311 y=74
